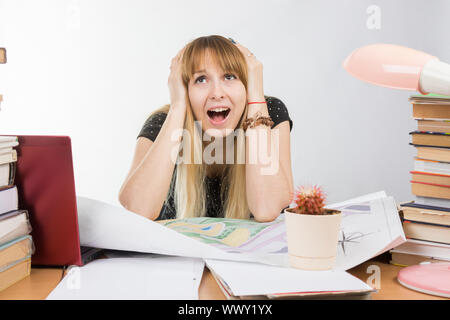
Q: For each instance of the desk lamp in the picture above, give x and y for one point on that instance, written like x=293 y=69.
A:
x=399 y=67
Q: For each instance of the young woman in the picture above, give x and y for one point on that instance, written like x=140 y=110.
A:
x=215 y=84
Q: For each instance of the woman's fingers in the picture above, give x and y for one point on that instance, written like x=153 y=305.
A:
x=175 y=82
x=178 y=57
x=247 y=53
x=243 y=49
x=181 y=52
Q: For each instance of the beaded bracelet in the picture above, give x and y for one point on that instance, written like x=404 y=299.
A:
x=256 y=102
x=252 y=122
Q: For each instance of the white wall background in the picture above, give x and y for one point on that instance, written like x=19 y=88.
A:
x=94 y=70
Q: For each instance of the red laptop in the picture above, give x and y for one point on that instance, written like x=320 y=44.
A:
x=46 y=186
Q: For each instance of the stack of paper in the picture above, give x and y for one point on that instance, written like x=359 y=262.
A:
x=241 y=280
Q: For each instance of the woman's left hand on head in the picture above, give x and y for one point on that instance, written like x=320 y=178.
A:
x=255 y=88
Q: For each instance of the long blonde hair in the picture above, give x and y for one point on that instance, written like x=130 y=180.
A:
x=189 y=186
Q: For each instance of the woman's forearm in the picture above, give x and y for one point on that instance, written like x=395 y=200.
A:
x=266 y=184
x=146 y=188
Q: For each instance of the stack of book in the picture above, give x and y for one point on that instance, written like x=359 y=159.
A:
x=16 y=245
x=426 y=221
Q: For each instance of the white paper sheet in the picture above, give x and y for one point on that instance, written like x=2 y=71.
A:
x=245 y=278
x=368 y=229
x=136 y=276
x=106 y=226
x=370 y=226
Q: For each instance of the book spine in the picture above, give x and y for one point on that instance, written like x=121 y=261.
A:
x=431 y=203
x=431 y=111
x=9 y=200
x=406 y=259
x=430 y=190
x=427 y=217
x=418 y=145
x=437 y=129
x=426 y=224
x=15 y=251
x=8 y=138
x=431 y=184
x=428 y=173
x=7 y=158
x=432 y=166
x=427 y=232
x=433 y=126
x=435 y=250
x=12 y=172
x=9 y=144
x=6 y=150
x=428 y=139
x=7 y=174
x=429 y=132
x=15 y=274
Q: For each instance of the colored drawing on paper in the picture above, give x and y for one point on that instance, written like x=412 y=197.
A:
x=233 y=235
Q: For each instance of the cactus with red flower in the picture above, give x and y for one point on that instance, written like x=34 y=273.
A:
x=309 y=200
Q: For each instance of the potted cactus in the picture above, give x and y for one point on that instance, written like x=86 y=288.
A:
x=312 y=230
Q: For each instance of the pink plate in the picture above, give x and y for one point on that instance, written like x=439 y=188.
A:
x=433 y=278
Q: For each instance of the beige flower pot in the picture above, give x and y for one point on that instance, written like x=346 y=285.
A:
x=312 y=239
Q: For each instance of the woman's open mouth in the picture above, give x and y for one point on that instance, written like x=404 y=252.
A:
x=218 y=115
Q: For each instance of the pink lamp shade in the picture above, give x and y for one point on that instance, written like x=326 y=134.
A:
x=399 y=67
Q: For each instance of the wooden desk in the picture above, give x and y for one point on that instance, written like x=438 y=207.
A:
x=42 y=281
x=389 y=289
x=37 y=286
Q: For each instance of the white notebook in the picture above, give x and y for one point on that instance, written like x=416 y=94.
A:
x=138 y=276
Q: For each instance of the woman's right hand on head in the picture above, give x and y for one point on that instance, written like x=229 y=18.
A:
x=176 y=87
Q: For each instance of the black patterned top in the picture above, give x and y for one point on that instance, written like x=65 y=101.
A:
x=214 y=203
